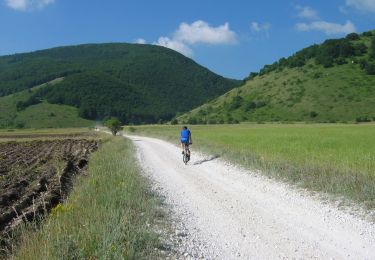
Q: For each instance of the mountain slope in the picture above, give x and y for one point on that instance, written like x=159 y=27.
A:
x=42 y=115
x=331 y=82
x=138 y=83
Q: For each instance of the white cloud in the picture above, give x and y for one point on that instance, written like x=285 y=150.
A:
x=17 y=4
x=175 y=45
x=199 y=32
x=24 y=5
x=307 y=13
x=327 y=27
x=363 y=5
x=202 y=32
x=256 y=27
x=140 y=41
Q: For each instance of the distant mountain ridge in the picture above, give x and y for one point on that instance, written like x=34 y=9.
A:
x=330 y=82
x=137 y=83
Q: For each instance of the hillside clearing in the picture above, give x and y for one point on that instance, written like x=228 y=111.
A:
x=42 y=115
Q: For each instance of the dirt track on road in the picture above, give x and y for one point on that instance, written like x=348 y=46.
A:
x=230 y=213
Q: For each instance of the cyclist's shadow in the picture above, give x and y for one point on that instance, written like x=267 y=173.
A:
x=206 y=160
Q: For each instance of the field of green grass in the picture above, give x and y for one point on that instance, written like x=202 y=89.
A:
x=333 y=158
x=43 y=115
x=107 y=216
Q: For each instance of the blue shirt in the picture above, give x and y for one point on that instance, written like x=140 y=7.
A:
x=185 y=135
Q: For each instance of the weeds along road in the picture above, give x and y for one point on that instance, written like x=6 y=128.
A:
x=229 y=213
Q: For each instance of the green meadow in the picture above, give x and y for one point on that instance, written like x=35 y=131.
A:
x=334 y=158
x=41 y=115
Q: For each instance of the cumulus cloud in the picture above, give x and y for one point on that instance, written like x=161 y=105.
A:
x=175 y=45
x=327 y=27
x=256 y=27
x=140 y=41
x=198 y=32
x=363 y=5
x=307 y=13
x=202 y=32
x=24 y=5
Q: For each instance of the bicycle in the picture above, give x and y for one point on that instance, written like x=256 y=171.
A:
x=186 y=154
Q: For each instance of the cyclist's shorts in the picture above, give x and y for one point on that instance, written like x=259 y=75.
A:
x=185 y=140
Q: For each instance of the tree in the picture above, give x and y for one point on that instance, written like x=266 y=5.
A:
x=370 y=68
x=360 y=49
x=114 y=125
x=372 y=52
x=367 y=34
x=352 y=36
x=236 y=103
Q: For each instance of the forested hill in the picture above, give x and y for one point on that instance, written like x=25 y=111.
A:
x=137 y=83
x=330 y=82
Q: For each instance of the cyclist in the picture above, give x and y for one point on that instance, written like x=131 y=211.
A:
x=185 y=138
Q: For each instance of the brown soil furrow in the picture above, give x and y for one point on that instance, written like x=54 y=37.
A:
x=30 y=183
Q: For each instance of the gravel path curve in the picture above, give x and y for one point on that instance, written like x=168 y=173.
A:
x=228 y=213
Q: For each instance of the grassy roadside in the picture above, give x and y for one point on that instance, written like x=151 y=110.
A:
x=107 y=215
x=333 y=158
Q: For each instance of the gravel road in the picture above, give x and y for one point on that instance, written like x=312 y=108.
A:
x=225 y=212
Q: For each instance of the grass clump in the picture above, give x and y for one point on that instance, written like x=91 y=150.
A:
x=107 y=216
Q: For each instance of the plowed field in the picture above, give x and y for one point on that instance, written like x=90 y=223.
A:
x=37 y=175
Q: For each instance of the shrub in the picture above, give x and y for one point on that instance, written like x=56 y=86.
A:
x=367 y=34
x=250 y=105
x=317 y=75
x=326 y=61
x=313 y=114
x=235 y=103
x=202 y=112
x=192 y=121
x=363 y=63
x=260 y=103
x=251 y=76
x=370 y=68
x=362 y=119
x=352 y=36
x=174 y=121
x=114 y=125
x=340 y=61
x=20 y=124
x=230 y=120
x=360 y=49
x=372 y=50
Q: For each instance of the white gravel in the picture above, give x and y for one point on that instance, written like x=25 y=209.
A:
x=225 y=212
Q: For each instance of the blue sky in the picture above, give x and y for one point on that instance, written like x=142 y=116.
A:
x=231 y=38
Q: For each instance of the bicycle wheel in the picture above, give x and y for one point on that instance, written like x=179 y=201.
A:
x=185 y=158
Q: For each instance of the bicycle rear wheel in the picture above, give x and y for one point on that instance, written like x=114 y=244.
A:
x=185 y=158
x=186 y=154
